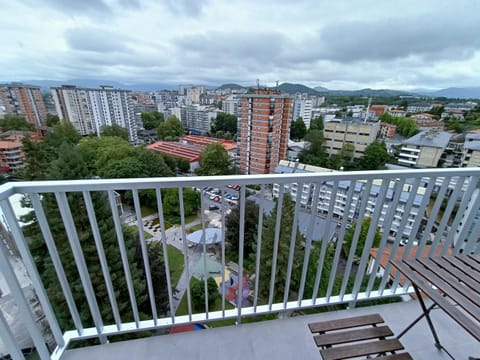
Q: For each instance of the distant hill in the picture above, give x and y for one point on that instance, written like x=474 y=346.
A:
x=461 y=93
x=231 y=86
x=290 y=88
x=321 y=89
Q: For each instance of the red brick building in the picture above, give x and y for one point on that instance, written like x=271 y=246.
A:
x=264 y=126
x=26 y=101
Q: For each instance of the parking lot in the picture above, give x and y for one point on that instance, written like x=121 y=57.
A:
x=212 y=197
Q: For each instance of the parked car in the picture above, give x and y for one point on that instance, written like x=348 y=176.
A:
x=234 y=197
x=217 y=198
x=213 y=207
x=213 y=196
x=228 y=196
x=236 y=187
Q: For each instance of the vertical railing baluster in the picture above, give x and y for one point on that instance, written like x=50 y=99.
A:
x=473 y=205
x=145 y=255
x=293 y=240
x=452 y=201
x=464 y=203
x=325 y=240
x=433 y=216
x=259 y=245
x=161 y=219
x=240 y=253
x=222 y=206
x=25 y=311
x=32 y=271
x=185 y=251
x=57 y=264
x=365 y=193
x=124 y=256
x=387 y=221
x=308 y=240
x=204 y=250
x=103 y=260
x=276 y=239
x=8 y=339
x=340 y=240
x=369 y=241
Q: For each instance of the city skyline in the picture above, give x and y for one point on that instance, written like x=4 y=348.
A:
x=338 y=45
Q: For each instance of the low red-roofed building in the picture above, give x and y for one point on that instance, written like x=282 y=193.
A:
x=229 y=145
x=378 y=109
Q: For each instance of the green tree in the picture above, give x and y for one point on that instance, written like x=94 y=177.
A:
x=214 y=160
x=227 y=123
x=171 y=203
x=267 y=250
x=197 y=288
x=171 y=130
x=14 y=122
x=405 y=126
x=315 y=153
x=70 y=165
x=343 y=160
x=348 y=239
x=52 y=120
x=183 y=165
x=232 y=231
x=317 y=123
x=152 y=120
x=114 y=130
x=375 y=156
x=298 y=129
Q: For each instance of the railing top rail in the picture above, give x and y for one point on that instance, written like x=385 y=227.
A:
x=197 y=181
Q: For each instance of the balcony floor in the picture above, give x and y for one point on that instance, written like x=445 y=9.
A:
x=287 y=338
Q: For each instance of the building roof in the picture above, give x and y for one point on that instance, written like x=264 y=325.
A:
x=437 y=139
x=5 y=145
x=290 y=167
x=472 y=145
x=189 y=152
x=205 y=140
x=387 y=253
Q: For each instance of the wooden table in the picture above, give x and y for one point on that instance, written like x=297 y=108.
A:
x=452 y=283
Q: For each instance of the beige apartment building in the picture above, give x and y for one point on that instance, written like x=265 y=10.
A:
x=360 y=134
x=471 y=150
x=264 y=126
x=424 y=149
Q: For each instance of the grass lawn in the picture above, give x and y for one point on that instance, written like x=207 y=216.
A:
x=176 y=263
x=147 y=235
x=195 y=228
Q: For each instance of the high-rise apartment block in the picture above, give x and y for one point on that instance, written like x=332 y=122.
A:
x=24 y=100
x=89 y=109
x=264 y=125
x=302 y=107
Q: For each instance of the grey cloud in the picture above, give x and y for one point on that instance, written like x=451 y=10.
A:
x=80 y=7
x=397 y=38
x=96 y=40
x=187 y=7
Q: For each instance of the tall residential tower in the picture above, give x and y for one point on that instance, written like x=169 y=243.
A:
x=264 y=124
x=24 y=100
x=89 y=109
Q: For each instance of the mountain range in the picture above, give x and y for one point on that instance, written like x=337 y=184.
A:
x=289 y=88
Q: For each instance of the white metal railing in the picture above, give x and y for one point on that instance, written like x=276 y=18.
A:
x=444 y=218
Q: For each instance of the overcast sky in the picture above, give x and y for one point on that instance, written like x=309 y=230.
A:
x=336 y=44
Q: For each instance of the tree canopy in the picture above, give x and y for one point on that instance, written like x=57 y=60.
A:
x=171 y=130
x=298 y=129
x=348 y=239
x=14 y=122
x=152 y=120
x=375 y=157
x=214 y=160
x=114 y=130
x=405 y=126
x=224 y=125
x=315 y=153
x=316 y=123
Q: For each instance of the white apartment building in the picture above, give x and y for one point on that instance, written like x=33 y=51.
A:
x=302 y=107
x=343 y=207
x=198 y=118
x=89 y=109
x=230 y=105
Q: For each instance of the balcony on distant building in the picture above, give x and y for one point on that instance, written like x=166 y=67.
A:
x=78 y=279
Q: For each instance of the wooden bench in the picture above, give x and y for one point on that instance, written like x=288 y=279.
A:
x=356 y=337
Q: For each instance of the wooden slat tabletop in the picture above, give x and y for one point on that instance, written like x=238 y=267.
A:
x=452 y=282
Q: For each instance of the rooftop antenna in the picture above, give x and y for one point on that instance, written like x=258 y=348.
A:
x=258 y=84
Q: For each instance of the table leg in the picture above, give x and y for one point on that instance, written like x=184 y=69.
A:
x=426 y=312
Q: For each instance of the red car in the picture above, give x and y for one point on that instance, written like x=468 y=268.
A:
x=216 y=199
